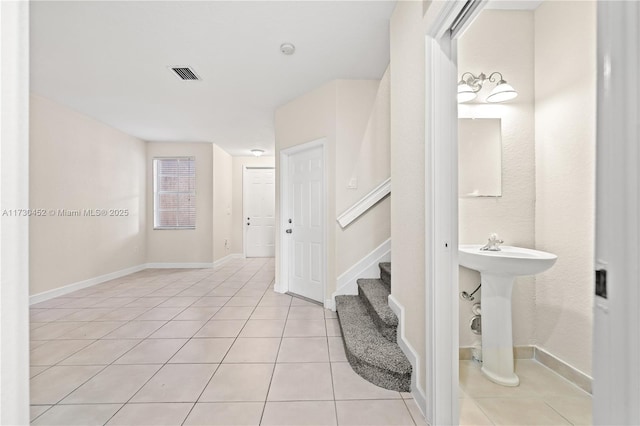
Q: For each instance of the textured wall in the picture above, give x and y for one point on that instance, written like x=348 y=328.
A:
x=79 y=163
x=565 y=176
x=503 y=41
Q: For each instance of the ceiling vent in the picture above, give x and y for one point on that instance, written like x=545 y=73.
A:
x=185 y=73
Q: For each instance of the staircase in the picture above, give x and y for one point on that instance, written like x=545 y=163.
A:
x=369 y=332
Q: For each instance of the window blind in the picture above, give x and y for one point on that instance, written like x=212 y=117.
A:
x=174 y=187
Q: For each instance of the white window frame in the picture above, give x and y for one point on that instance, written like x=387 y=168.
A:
x=155 y=193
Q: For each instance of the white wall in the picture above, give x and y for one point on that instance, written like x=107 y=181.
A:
x=565 y=63
x=184 y=245
x=222 y=200
x=503 y=41
x=353 y=117
x=407 y=172
x=237 y=225
x=79 y=163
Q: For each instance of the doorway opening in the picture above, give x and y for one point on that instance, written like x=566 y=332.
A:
x=258 y=211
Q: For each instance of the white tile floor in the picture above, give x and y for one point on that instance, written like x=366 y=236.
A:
x=542 y=398
x=198 y=347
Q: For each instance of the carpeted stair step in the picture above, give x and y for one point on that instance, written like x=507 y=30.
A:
x=375 y=296
x=385 y=274
x=370 y=354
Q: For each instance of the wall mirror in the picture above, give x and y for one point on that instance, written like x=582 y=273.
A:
x=479 y=157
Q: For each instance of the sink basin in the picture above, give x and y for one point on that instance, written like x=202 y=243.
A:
x=512 y=261
x=498 y=270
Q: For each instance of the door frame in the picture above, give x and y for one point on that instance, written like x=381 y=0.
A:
x=244 y=203
x=283 y=284
x=616 y=336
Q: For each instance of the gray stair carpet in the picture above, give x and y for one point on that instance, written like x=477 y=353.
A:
x=375 y=296
x=385 y=274
x=370 y=354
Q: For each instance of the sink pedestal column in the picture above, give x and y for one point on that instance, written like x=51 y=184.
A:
x=497 y=337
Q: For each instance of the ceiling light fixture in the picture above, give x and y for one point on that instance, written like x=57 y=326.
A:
x=257 y=152
x=469 y=86
x=287 y=48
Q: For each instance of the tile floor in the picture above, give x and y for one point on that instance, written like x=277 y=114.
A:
x=198 y=347
x=542 y=398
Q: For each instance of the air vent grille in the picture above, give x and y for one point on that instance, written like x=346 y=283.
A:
x=185 y=73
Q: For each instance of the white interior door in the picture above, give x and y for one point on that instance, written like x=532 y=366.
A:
x=304 y=223
x=259 y=199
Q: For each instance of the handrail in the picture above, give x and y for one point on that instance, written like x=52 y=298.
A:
x=365 y=203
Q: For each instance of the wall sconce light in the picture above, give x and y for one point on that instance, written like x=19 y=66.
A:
x=257 y=152
x=469 y=86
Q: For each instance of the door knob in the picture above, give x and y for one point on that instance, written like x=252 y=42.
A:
x=289 y=231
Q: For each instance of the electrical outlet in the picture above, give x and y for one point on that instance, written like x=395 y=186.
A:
x=226 y=243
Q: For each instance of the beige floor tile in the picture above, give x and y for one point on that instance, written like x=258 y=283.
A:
x=275 y=300
x=48 y=315
x=53 y=330
x=474 y=384
x=89 y=314
x=83 y=302
x=113 y=302
x=51 y=303
x=233 y=312
x=299 y=413
x=205 y=350
x=254 y=294
x=305 y=328
x=304 y=349
x=336 y=350
x=225 y=414
x=160 y=314
x=415 y=412
x=146 y=302
x=179 y=302
x=197 y=313
x=221 y=328
x=543 y=381
x=152 y=351
x=239 y=382
x=52 y=385
x=81 y=415
x=116 y=383
x=36 y=410
x=575 y=409
x=194 y=291
x=368 y=413
x=347 y=384
x=328 y=313
x=244 y=300
x=124 y=314
x=263 y=328
x=55 y=351
x=211 y=301
x=218 y=292
x=101 y=352
x=135 y=330
x=298 y=301
x=176 y=383
x=270 y=312
x=156 y=414
x=34 y=371
x=35 y=343
x=253 y=350
x=333 y=327
x=178 y=329
x=306 y=312
x=93 y=330
x=471 y=414
x=519 y=411
x=301 y=382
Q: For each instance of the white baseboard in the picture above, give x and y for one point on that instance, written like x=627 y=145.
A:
x=367 y=267
x=179 y=265
x=227 y=258
x=418 y=394
x=60 y=291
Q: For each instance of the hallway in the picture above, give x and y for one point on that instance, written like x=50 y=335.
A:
x=198 y=347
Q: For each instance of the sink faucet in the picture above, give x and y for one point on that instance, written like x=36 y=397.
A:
x=493 y=244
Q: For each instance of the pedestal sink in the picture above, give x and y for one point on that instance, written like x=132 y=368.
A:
x=498 y=270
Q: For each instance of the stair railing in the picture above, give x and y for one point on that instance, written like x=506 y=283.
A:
x=365 y=203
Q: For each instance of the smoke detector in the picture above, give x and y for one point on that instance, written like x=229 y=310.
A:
x=287 y=48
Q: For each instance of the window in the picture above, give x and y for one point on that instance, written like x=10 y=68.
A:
x=174 y=193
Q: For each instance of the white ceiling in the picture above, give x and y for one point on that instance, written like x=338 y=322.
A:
x=109 y=60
